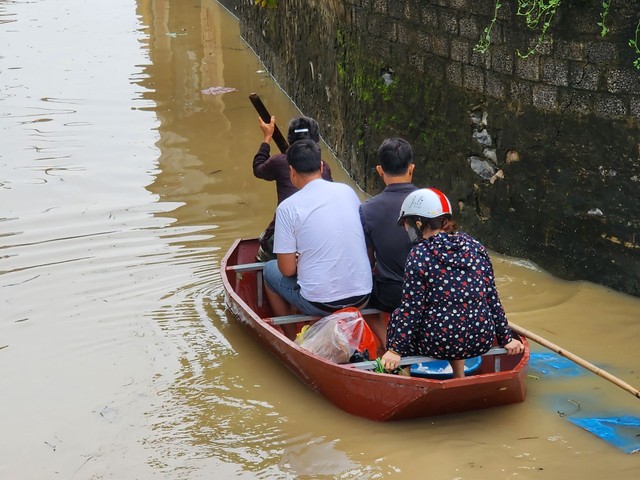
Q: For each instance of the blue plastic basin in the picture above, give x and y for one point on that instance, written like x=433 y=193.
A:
x=442 y=369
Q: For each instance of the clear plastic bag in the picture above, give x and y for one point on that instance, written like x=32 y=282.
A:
x=335 y=337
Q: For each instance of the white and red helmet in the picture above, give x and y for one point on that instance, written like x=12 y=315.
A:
x=425 y=202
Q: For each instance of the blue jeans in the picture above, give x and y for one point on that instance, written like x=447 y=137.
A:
x=288 y=288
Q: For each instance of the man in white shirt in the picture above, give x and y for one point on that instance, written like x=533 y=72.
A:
x=322 y=263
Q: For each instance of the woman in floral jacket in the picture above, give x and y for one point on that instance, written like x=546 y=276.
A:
x=450 y=306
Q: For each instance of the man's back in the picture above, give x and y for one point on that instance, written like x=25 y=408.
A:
x=321 y=223
x=390 y=243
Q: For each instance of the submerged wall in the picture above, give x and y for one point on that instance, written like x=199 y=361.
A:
x=540 y=155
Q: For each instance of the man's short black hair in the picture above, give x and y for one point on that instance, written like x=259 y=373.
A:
x=395 y=155
x=304 y=156
x=301 y=128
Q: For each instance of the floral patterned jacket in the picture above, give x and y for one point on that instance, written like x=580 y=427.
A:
x=450 y=307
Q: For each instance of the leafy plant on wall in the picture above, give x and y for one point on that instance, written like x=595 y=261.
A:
x=538 y=15
x=635 y=44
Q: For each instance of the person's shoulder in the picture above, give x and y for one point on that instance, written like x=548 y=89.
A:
x=472 y=242
x=278 y=158
x=289 y=203
x=370 y=203
x=275 y=161
x=405 y=187
x=380 y=198
x=366 y=208
x=349 y=190
x=326 y=171
x=419 y=250
x=465 y=236
x=341 y=191
x=328 y=184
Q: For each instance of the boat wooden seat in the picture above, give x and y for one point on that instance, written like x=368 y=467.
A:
x=250 y=267
x=247 y=267
x=404 y=361
x=309 y=318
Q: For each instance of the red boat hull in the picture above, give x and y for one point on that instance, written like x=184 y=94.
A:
x=365 y=393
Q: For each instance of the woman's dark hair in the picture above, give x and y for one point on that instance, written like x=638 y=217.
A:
x=394 y=156
x=304 y=156
x=444 y=222
x=302 y=128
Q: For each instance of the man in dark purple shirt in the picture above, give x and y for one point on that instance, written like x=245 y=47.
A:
x=387 y=243
x=275 y=168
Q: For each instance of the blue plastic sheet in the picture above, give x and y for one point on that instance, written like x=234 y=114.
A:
x=621 y=432
x=552 y=365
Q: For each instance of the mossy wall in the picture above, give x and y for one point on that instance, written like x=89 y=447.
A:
x=541 y=156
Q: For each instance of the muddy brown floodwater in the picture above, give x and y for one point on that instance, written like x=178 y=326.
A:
x=121 y=187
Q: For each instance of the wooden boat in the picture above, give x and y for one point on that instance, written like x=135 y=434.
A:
x=355 y=388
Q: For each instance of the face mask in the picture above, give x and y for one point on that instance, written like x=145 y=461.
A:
x=413 y=235
x=413 y=231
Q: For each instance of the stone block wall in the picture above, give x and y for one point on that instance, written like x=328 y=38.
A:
x=541 y=154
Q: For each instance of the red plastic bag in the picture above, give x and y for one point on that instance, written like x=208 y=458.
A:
x=336 y=337
x=368 y=342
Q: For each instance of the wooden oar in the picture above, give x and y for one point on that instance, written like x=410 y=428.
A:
x=278 y=139
x=574 y=358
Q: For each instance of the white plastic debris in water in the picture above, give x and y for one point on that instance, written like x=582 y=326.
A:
x=218 y=90
x=595 y=211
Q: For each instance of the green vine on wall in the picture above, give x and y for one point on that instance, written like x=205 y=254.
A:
x=538 y=15
x=636 y=46
x=603 y=15
x=535 y=12
x=485 y=39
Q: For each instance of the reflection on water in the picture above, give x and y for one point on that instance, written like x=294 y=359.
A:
x=122 y=186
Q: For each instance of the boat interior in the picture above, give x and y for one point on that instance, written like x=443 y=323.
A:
x=244 y=275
